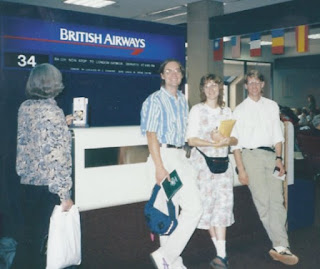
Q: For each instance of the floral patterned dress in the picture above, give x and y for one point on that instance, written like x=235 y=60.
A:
x=216 y=190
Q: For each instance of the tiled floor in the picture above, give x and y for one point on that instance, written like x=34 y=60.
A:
x=305 y=243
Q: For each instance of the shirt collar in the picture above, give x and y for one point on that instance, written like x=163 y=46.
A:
x=260 y=101
x=164 y=90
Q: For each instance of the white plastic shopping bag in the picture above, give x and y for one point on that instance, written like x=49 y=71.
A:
x=64 y=239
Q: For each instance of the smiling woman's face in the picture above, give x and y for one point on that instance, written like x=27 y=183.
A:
x=211 y=90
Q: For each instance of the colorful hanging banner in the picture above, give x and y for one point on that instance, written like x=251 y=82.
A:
x=277 y=41
x=302 y=43
x=255 y=44
x=218 y=49
x=236 y=46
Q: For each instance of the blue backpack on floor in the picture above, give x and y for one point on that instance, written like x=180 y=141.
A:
x=157 y=221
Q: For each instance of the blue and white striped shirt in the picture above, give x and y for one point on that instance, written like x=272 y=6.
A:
x=165 y=115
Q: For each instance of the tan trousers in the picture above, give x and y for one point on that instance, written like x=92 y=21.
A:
x=267 y=194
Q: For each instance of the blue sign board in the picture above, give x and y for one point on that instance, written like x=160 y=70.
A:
x=86 y=48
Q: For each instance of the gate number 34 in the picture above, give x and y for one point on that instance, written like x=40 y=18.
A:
x=23 y=60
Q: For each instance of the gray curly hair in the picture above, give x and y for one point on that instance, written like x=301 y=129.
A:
x=45 y=81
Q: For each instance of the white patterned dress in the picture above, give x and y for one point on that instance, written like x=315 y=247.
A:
x=216 y=190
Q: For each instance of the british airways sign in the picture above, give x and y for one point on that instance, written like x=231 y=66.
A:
x=107 y=39
x=72 y=39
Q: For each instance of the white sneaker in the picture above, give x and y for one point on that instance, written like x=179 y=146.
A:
x=159 y=260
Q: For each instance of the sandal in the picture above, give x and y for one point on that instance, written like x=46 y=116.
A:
x=219 y=263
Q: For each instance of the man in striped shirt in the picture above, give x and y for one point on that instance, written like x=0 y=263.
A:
x=163 y=120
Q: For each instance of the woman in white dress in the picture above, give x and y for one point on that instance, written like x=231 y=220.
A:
x=216 y=189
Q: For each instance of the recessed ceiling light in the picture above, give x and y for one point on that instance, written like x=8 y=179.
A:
x=166 y=10
x=90 y=3
x=170 y=17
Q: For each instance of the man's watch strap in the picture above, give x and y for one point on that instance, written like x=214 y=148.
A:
x=279 y=157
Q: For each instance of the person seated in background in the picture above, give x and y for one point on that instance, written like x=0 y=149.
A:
x=287 y=114
x=310 y=117
x=296 y=111
x=316 y=125
x=303 y=117
x=312 y=105
x=313 y=128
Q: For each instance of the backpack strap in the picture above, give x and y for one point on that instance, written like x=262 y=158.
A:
x=171 y=210
x=154 y=194
x=170 y=205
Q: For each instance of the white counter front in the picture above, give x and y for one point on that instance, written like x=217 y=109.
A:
x=110 y=169
x=109 y=185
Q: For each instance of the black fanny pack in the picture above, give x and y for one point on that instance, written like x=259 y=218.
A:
x=217 y=165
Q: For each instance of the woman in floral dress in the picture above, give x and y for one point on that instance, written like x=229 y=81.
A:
x=43 y=162
x=216 y=189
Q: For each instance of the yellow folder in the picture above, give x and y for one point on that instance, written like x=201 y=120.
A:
x=226 y=126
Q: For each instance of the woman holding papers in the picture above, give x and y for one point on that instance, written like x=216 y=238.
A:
x=216 y=189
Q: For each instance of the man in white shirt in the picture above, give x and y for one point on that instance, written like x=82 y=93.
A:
x=257 y=154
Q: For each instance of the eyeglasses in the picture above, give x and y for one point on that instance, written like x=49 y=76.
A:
x=211 y=85
x=254 y=83
x=171 y=71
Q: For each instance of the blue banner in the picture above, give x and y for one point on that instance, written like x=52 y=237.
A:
x=55 y=38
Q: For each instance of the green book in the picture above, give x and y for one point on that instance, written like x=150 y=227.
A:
x=171 y=187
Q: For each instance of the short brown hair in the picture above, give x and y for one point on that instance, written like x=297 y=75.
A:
x=253 y=74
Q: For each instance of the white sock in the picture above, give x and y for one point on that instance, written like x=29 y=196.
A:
x=214 y=240
x=221 y=248
x=280 y=248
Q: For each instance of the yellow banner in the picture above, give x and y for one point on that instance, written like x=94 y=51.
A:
x=301 y=38
x=277 y=41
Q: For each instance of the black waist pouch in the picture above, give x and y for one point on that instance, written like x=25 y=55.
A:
x=217 y=165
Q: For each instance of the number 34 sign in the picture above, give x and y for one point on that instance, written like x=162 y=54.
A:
x=24 y=60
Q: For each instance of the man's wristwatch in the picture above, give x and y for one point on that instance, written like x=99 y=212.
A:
x=279 y=157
